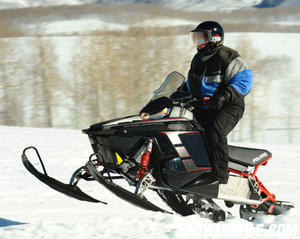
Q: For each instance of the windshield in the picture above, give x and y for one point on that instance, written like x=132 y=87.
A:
x=170 y=85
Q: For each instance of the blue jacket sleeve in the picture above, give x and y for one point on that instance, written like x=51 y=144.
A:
x=240 y=80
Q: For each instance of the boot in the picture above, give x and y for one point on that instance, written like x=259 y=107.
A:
x=223 y=175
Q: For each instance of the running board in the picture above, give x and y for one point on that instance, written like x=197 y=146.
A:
x=238 y=190
x=239 y=200
x=67 y=189
x=122 y=193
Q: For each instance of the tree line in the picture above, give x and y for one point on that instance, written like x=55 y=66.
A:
x=72 y=82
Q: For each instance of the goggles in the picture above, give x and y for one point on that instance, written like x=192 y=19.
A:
x=200 y=38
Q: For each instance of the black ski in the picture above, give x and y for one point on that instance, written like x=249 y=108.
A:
x=123 y=193
x=67 y=189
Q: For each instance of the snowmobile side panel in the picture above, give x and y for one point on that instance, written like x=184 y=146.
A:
x=205 y=190
x=67 y=189
x=123 y=193
x=185 y=157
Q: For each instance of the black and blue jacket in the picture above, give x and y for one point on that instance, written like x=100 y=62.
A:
x=224 y=72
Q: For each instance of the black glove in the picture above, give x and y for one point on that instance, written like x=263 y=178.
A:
x=195 y=103
x=217 y=102
x=178 y=95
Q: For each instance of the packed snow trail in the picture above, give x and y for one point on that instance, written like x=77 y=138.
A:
x=30 y=209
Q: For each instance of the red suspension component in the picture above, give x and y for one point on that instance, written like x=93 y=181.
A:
x=145 y=159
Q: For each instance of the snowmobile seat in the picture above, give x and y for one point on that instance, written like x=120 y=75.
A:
x=247 y=156
x=237 y=167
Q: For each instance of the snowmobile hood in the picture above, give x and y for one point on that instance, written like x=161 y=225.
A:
x=130 y=121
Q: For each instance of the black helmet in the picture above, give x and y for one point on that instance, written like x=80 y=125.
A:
x=212 y=32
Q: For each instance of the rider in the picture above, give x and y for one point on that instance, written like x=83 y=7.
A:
x=219 y=79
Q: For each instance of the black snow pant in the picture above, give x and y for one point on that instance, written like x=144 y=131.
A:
x=217 y=126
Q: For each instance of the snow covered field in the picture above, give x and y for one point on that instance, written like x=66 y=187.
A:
x=99 y=24
x=30 y=209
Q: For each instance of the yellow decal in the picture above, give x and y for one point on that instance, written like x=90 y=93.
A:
x=119 y=159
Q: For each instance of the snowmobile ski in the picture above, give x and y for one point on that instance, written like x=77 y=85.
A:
x=67 y=189
x=123 y=193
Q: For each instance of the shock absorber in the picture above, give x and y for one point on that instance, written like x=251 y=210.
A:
x=145 y=159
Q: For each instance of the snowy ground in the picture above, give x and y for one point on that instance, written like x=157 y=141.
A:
x=29 y=209
x=100 y=24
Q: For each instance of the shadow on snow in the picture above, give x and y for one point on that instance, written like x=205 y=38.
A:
x=5 y=222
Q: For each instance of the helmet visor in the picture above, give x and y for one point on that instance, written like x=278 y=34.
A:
x=199 y=38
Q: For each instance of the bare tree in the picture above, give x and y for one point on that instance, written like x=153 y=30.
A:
x=45 y=82
x=249 y=54
x=6 y=117
x=12 y=104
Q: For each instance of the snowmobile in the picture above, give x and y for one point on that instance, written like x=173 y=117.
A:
x=164 y=149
